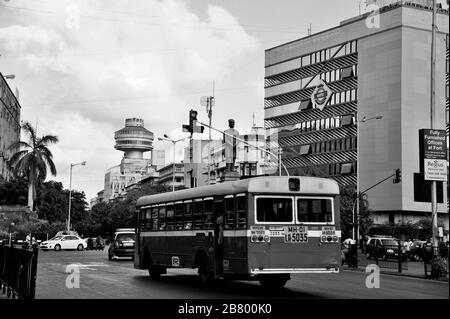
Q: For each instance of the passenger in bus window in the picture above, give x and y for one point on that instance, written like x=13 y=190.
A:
x=188 y=225
x=162 y=226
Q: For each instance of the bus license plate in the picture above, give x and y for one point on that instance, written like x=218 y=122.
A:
x=295 y=235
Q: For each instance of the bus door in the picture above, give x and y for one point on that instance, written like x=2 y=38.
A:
x=202 y=236
x=139 y=217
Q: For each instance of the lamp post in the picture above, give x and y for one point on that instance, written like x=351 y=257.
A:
x=363 y=120
x=10 y=76
x=10 y=233
x=174 y=142
x=70 y=193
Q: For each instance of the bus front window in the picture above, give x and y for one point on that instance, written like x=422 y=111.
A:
x=274 y=210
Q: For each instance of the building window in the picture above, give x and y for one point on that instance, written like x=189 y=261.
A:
x=347 y=120
x=347 y=168
x=305 y=149
x=305 y=105
x=347 y=72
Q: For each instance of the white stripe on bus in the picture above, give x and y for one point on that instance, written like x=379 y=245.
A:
x=226 y=233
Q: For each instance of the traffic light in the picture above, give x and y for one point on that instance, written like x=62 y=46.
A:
x=398 y=176
x=192 y=119
x=192 y=127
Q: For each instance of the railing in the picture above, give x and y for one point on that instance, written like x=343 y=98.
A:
x=18 y=269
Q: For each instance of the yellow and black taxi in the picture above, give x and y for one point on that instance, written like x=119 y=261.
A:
x=123 y=243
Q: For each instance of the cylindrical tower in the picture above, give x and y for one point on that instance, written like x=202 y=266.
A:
x=134 y=139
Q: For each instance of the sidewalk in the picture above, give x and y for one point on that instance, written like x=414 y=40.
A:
x=413 y=268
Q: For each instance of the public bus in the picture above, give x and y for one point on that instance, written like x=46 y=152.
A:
x=261 y=228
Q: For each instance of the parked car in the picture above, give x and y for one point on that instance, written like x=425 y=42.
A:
x=65 y=232
x=64 y=242
x=122 y=244
x=384 y=248
x=415 y=252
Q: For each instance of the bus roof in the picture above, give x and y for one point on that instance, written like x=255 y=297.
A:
x=264 y=184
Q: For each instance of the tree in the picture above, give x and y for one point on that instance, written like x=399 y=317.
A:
x=13 y=192
x=348 y=196
x=32 y=158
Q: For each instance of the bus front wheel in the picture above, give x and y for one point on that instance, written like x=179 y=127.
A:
x=273 y=281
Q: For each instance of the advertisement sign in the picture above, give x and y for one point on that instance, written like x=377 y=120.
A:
x=321 y=95
x=433 y=154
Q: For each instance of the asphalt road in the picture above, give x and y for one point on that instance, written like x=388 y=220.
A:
x=104 y=279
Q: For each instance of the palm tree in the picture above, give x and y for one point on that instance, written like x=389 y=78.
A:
x=32 y=158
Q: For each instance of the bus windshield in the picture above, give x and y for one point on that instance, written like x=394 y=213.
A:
x=314 y=210
x=272 y=209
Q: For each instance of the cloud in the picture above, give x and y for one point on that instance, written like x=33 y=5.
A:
x=153 y=62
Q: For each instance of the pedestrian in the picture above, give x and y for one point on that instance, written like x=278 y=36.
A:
x=353 y=253
x=219 y=243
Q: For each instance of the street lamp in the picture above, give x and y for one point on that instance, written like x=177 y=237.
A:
x=167 y=138
x=363 y=120
x=70 y=193
x=10 y=76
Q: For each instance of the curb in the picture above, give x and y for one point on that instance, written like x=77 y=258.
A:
x=398 y=274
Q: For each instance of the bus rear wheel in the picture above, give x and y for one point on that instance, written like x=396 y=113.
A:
x=155 y=272
x=273 y=281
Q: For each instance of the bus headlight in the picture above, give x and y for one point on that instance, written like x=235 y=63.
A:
x=335 y=238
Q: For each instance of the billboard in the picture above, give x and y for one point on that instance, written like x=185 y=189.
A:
x=433 y=154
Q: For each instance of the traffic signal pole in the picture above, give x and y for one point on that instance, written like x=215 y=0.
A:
x=432 y=118
x=397 y=179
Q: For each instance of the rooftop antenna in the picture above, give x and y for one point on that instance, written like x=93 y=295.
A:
x=254 y=124
x=310 y=29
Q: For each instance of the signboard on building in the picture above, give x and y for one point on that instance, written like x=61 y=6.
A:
x=433 y=154
x=321 y=95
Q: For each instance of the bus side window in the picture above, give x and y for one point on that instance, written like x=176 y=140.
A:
x=230 y=216
x=146 y=221
x=178 y=216
x=188 y=215
x=162 y=217
x=142 y=217
x=208 y=215
x=197 y=215
x=170 y=217
x=154 y=225
x=241 y=213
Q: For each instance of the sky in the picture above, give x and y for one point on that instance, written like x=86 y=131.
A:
x=83 y=66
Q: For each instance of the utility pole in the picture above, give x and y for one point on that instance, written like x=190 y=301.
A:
x=208 y=101
x=432 y=118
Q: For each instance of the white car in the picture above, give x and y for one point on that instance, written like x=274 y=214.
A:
x=64 y=242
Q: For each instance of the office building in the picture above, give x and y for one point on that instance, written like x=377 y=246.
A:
x=379 y=75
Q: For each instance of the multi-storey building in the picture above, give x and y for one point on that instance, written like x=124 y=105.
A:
x=250 y=160
x=379 y=75
x=9 y=127
x=167 y=173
